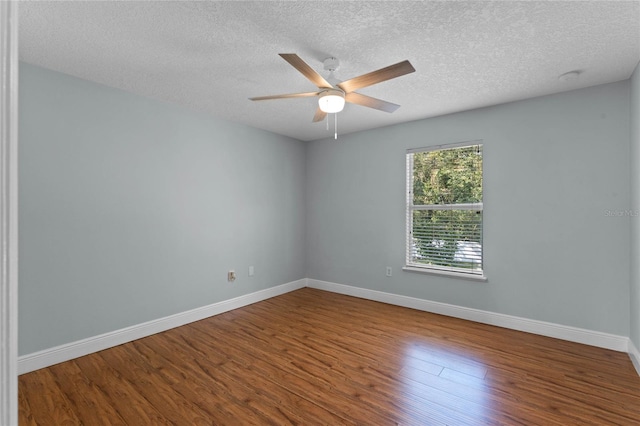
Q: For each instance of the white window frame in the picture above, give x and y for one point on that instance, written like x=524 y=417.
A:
x=471 y=274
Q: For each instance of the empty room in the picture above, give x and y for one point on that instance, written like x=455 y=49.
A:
x=321 y=212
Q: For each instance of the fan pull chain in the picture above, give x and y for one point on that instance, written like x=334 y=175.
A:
x=335 y=126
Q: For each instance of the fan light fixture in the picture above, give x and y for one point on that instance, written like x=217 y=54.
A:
x=331 y=100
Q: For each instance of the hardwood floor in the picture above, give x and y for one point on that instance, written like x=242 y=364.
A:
x=316 y=358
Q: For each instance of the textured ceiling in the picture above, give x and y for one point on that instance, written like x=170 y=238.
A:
x=212 y=56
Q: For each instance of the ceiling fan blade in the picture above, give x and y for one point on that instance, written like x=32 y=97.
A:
x=368 y=101
x=290 y=95
x=374 y=77
x=306 y=70
x=320 y=115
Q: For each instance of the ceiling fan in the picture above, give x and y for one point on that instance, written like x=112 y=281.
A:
x=332 y=94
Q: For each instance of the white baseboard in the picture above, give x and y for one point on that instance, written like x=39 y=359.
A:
x=634 y=354
x=573 y=334
x=66 y=352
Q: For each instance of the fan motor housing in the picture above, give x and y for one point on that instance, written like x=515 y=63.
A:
x=331 y=92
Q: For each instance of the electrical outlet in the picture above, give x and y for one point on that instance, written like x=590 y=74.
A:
x=231 y=276
x=389 y=271
x=251 y=271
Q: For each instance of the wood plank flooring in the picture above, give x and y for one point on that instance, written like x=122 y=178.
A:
x=316 y=358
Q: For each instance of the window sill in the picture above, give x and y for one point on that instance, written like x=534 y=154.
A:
x=461 y=275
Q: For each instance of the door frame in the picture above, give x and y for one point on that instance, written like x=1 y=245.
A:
x=8 y=212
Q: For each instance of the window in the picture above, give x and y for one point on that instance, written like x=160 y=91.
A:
x=444 y=209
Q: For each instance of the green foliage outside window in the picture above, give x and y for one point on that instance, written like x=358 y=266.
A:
x=452 y=237
x=450 y=176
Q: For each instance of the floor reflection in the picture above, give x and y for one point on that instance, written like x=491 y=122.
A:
x=435 y=378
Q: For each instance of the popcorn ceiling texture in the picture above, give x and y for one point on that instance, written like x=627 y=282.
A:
x=212 y=56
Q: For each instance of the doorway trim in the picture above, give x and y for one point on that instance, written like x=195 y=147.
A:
x=9 y=213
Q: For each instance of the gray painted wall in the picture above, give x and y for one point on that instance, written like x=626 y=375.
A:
x=132 y=209
x=553 y=167
x=635 y=207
